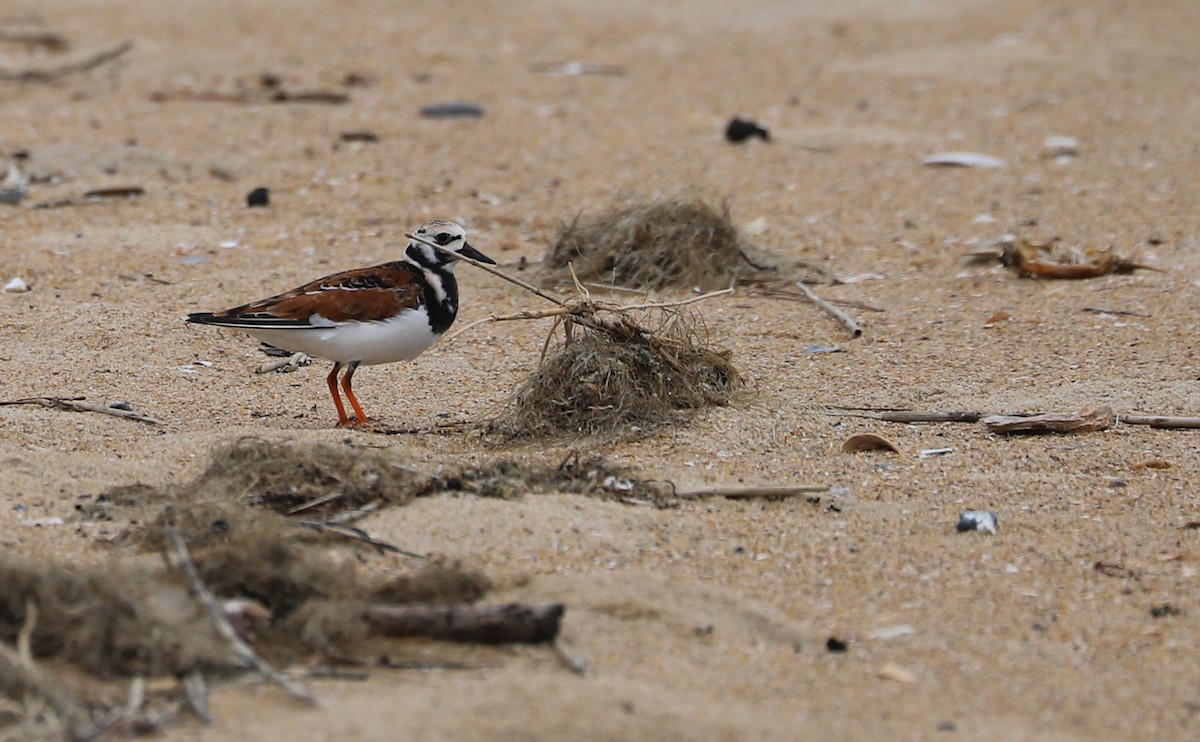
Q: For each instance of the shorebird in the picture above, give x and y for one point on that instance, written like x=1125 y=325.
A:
x=364 y=316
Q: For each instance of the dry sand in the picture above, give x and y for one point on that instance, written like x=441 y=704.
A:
x=708 y=621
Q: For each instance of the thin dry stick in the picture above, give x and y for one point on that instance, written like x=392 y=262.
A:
x=904 y=416
x=195 y=690
x=783 y=490
x=680 y=303
x=840 y=302
x=567 y=310
x=891 y=415
x=830 y=309
x=46 y=39
x=572 y=660
x=240 y=646
x=25 y=636
x=71 y=68
x=76 y=404
x=524 y=314
x=490 y=269
x=355 y=534
x=1161 y=421
x=353 y=515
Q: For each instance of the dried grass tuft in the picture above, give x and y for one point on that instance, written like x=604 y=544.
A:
x=108 y=622
x=674 y=242
x=288 y=477
x=621 y=378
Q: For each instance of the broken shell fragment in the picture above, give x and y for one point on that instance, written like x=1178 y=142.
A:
x=1058 y=146
x=868 y=442
x=963 y=159
x=897 y=673
x=983 y=521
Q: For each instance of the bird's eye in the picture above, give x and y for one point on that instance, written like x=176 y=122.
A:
x=444 y=238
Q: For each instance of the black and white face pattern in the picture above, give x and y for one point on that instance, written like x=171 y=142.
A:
x=446 y=234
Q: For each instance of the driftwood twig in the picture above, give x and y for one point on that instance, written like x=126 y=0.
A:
x=490 y=624
x=906 y=416
x=1161 y=421
x=784 y=490
x=846 y=320
x=54 y=73
x=77 y=404
x=893 y=415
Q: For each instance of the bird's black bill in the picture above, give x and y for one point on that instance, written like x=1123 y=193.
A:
x=469 y=252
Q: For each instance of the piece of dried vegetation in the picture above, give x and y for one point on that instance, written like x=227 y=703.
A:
x=669 y=243
x=621 y=378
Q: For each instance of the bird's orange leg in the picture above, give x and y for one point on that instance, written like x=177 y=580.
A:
x=361 y=417
x=331 y=380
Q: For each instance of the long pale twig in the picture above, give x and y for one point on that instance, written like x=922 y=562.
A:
x=76 y=404
x=54 y=73
x=355 y=534
x=524 y=314
x=771 y=291
x=240 y=646
x=907 y=416
x=527 y=314
x=680 y=303
x=847 y=321
x=1161 y=421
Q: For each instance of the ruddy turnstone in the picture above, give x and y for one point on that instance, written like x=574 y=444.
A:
x=365 y=316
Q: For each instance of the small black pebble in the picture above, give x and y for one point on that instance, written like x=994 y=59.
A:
x=947 y=726
x=220 y=525
x=739 y=550
x=739 y=130
x=258 y=197
x=359 y=136
x=1165 y=609
x=458 y=110
x=121 y=406
x=834 y=644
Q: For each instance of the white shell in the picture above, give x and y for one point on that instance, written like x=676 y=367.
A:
x=1060 y=147
x=963 y=159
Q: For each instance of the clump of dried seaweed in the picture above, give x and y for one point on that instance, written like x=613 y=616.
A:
x=109 y=622
x=312 y=479
x=619 y=377
x=673 y=242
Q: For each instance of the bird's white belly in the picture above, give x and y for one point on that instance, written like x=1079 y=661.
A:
x=401 y=338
